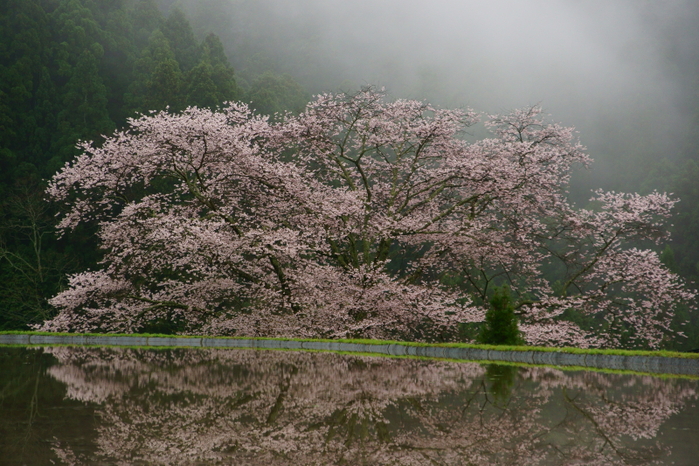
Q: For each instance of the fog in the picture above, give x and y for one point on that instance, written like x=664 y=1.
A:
x=487 y=54
x=613 y=69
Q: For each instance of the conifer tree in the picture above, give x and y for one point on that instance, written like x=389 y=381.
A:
x=24 y=56
x=145 y=17
x=500 y=326
x=84 y=115
x=157 y=78
x=179 y=33
x=211 y=82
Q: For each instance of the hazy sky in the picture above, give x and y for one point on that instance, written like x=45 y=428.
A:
x=484 y=53
x=599 y=65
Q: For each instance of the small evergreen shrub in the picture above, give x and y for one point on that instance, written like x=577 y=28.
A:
x=500 y=327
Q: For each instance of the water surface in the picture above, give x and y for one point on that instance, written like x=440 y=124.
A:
x=119 y=406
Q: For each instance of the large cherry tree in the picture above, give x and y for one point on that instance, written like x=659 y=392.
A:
x=359 y=217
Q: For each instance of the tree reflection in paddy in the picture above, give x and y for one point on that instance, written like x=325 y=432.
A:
x=196 y=407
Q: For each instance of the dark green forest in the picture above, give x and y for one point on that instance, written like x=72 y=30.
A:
x=73 y=70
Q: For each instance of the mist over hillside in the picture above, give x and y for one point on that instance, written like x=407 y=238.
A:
x=620 y=72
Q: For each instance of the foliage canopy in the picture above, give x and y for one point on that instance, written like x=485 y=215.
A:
x=342 y=222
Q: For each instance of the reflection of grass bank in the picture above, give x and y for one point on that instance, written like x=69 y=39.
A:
x=484 y=359
x=483 y=362
x=609 y=352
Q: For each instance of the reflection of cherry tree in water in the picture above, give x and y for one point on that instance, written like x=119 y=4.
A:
x=608 y=416
x=211 y=405
x=252 y=407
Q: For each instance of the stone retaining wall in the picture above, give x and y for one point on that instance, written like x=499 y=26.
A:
x=655 y=365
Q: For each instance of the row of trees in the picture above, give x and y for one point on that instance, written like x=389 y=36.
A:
x=75 y=70
x=360 y=217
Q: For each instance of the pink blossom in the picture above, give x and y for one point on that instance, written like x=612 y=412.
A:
x=359 y=217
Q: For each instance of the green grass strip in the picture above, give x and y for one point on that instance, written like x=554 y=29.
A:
x=572 y=350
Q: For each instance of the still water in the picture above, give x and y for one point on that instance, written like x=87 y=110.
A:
x=119 y=406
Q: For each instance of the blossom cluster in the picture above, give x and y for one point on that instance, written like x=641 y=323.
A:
x=359 y=217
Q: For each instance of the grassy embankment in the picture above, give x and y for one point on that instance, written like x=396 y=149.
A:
x=614 y=352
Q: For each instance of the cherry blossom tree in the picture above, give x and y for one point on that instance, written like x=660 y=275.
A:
x=359 y=217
